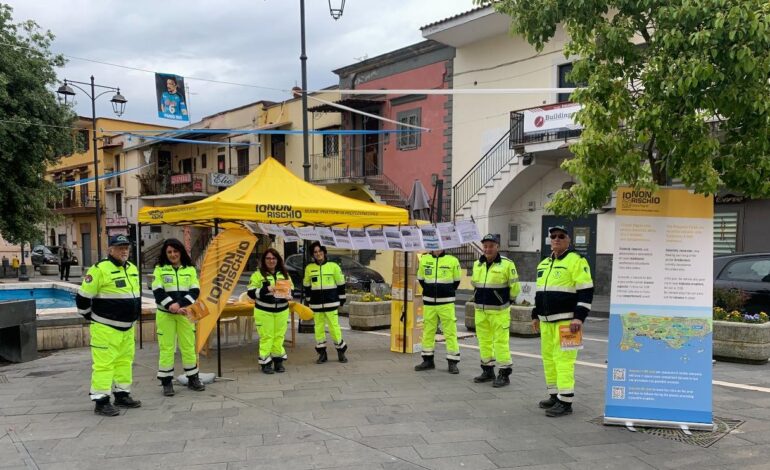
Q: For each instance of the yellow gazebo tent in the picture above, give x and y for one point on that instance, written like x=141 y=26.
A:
x=273 y=194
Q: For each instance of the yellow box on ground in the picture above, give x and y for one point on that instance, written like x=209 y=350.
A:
x=414 y=321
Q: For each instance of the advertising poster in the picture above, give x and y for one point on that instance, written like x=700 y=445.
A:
x=393 y=237
x=412 y=238
x=659 y=354
x=430 y=237
x=359 y=239
x=170 y=94
x=377 y=238
x=326 y=236
x=468 y=231
x=342 y=239
x=289 y=234
x=308 y=233
x=448 y=235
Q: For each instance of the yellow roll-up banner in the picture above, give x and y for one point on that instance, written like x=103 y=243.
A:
x=222 y=266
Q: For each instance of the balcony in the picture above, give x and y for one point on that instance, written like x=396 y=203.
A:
x=76 y=202
x=156 y=186
x=551 y=123
x=339 y=168
x=113 y=184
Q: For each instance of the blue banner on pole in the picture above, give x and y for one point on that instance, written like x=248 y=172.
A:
x=170 y=92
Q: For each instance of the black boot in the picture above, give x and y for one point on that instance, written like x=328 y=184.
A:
x=322 y=357
x=267 y=368
x=168 y=388
x=194 y=383
x=561 y=408
x=502 y=378
x=487 y=375
x=341 y=353
x=279 y=365
x=124 y=400
x=547 y=403
x=427 y=364
x=453 y=366
x=105 y=408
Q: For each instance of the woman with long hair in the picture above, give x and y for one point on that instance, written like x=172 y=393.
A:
x=271 y=309
x=175 y=287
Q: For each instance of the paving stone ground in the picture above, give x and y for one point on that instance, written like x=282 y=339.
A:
x=374 y=412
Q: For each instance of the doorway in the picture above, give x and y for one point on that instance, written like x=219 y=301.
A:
x=278 y=147
x=582 y=231
x=371 y=148
x=85 y=244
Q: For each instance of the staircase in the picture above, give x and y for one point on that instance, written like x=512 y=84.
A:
x=387 y=191
x=467 y=255
x=150 y=256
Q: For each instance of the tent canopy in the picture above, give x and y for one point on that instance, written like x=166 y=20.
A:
x=273 y=194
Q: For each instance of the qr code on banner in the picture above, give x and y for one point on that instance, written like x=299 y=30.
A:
x=619 y=375
x=618 y=393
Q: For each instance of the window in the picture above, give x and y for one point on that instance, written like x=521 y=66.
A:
x=221 y=163
x=204 y=163
x=411 y=139
x=82 y=142
x=513 y=235
x=243 y=162
x=331 y=144
x=118 y=204
x=564 y=70
x=725 y=232
x=753 y=270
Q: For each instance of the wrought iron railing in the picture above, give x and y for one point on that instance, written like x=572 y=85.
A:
x=76 y=199
x=467 y=254
x=518 y=138
x=152 y=184
x=483 y=171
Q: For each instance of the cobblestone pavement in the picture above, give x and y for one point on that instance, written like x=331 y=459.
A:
x=374 y=412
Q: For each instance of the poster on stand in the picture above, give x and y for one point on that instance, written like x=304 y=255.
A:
x=342 y=238
x=468 y=231
x=449 y=237
x=659 y=367
x=377 y=238
x=412 y=238
x=430 y=237
x=359 y=239
x=393 y=237
x=326 y=236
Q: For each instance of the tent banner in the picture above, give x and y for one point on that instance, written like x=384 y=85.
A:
x=222 y=267
x=659 y=367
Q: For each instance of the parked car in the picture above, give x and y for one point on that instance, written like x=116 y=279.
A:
x=749 y=272
x=42 y=254
x=357 y=276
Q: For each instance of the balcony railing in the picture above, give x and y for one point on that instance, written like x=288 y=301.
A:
x=519 y=138
x=153 y=184
x=77 y=200
x=342 y=166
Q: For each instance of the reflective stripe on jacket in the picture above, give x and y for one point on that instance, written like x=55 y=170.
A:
x=109 y=294
x=263 y=299
x=326 y=286
x=439 y=278
x=565 y=289
x=172 y=285
x=496 y=283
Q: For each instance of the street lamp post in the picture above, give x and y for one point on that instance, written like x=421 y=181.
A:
x=118 y=107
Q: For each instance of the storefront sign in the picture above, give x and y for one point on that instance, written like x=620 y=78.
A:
x=117 y=221
x=221 y=180
x=550 y=118
x=181 y=179
x=659 y=355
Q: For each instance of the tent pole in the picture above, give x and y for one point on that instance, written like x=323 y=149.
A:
x=139 y=267
x=406 y=294
x=219 y=344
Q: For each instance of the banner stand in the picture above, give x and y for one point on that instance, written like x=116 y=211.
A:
x=649 y=423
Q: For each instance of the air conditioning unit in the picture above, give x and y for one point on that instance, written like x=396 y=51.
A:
x=531 y=205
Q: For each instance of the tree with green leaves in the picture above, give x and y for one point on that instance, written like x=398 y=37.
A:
x=34 y=128
x=675 y=90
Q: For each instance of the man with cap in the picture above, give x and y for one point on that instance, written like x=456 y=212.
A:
x=439 y=276
x=563 y=297
x=496 y=284
x=109 y=297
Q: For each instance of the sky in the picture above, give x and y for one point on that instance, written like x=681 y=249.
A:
x=254 y=42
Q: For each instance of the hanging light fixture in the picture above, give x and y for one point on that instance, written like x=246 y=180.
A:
x=335 y=10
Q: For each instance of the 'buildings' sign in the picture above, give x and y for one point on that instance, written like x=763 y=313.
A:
x=555 y=117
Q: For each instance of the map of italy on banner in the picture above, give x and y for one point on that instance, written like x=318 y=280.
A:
x=659 y=354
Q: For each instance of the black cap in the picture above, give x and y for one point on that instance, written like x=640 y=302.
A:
x=490 y=237
x=118 y=240
x=563 y=228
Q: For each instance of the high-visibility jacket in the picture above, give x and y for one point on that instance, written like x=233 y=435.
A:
x=172 y=285
x=110 y=295
x=496 y=283
x=439 y=277
x=565 y=289
x=263 y=299
x=325 y=286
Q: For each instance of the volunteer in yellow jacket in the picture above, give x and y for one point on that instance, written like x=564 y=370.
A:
x=563 y=297
x=439 y=276
x=325 y=286
x=271 y=310
x=496 y=284
x=109 y=297
x=175 y=287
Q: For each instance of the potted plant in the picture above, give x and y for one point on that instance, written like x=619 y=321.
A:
x=370 y=312
x=739 y=336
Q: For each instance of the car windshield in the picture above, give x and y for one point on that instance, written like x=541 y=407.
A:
x=345 y=262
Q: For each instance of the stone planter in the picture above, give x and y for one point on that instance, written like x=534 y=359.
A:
x=369 y=315
x=344 y=311
x=741 y=342
x=49 y=269
x=521 y=320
